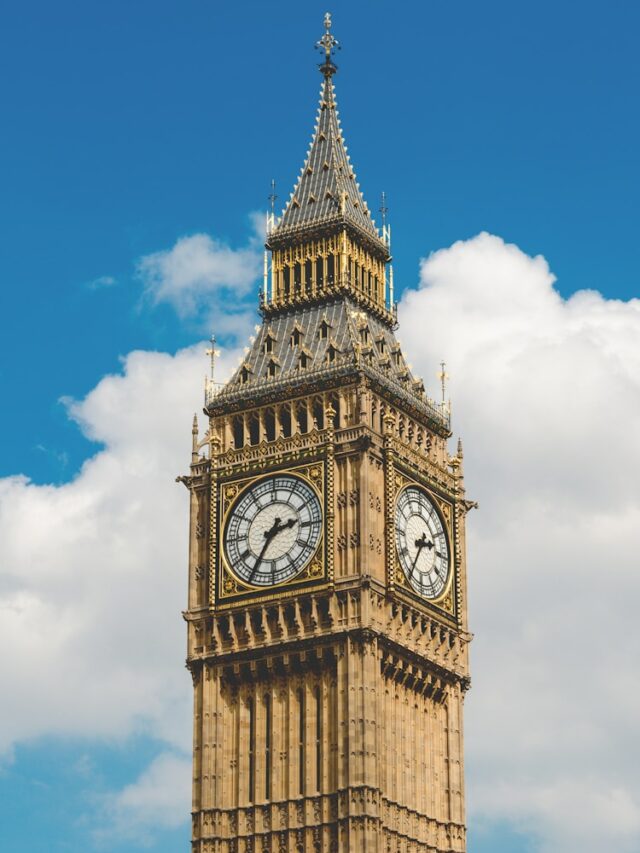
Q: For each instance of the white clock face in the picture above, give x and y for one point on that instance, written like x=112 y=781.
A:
x=422 y=543
x=273 y=530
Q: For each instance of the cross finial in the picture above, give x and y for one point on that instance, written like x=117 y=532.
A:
x=328 y=44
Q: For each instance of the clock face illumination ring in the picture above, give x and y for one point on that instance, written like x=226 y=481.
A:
x=421 y=541
x=273 y=530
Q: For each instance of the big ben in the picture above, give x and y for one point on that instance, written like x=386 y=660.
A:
x=327 y=610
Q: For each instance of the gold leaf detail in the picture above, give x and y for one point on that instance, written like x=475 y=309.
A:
x=315 y=569
x=230 y=492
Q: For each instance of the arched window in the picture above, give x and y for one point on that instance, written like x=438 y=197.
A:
x=254 y=429
x=270 y=425
x=285 y=420
x=308 y=268
x=330 y=270
x=318 y=413
x=238 y=431
x=303 y=418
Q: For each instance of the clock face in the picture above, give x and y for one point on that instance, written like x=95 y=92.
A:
x=422 y=543
x=273 y=530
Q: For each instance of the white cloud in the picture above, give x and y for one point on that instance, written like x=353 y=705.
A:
x=158 y=800
x=547 y=394
x=200 y=273
x=102 y=282
x=93 y=571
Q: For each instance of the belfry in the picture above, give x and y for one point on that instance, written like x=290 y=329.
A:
x=327 y=609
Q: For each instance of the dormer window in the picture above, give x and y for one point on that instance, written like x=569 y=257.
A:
x=303 y=361
x=323 y=332
x=244 y=375
x=331 y=353
x=381 y=345
x=364 y=335
x=269 y=341
x=296 y=337
x=272 y=367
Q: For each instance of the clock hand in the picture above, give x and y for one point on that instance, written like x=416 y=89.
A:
x=268 y=536
x=420 y=544
x=275 y=528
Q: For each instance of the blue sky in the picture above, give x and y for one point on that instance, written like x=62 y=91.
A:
x=128 y=126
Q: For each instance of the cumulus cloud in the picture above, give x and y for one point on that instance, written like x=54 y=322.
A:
x=546 y=392
x=93 y=571
x=201 y=273
x=159 y=799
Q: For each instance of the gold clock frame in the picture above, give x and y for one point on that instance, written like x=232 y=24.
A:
x=228 y=588
x=446 y=602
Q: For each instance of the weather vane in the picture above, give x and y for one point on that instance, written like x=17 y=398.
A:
x=329 y=44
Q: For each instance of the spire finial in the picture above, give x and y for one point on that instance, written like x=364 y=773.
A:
x=443 y=376
x=212 y=352
x=272 y=196
x=328 y=44
x=383 y=208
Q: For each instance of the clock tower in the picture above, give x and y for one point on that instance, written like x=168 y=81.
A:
x=327 y=617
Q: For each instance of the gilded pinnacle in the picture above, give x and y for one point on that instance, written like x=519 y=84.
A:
x=329 y=44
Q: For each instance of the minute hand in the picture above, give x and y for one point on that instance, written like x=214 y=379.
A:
x=420 y=544
x=268 y=536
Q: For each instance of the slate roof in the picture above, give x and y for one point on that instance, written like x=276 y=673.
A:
x=326 y=190
x=331 y=325
x=336 y=338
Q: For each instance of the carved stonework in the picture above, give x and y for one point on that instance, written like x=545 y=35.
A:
x=328 y=685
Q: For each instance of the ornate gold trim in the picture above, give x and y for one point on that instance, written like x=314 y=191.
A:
x=229 y=587
x=448 y=599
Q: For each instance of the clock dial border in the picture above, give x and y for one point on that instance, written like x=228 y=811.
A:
x=447 y=603
x=230 y=587
x=443 y=531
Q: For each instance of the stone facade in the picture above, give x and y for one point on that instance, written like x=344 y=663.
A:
x=327 y=708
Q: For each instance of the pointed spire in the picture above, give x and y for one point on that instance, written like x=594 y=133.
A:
x=327 y=192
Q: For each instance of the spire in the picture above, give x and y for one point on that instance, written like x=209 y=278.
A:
x=327 y=192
